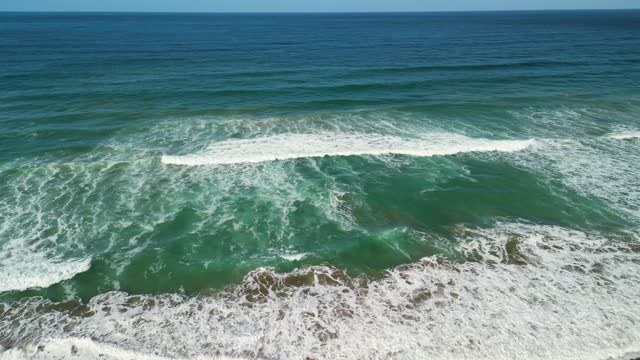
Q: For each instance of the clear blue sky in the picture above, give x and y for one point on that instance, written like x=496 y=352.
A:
x=307 y=5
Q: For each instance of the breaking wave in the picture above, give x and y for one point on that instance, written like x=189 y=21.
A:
x=626 y=135
x=38 y=271
x=293 y=146
x=524 y=291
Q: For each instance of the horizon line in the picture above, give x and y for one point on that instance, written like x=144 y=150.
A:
x=311 y=12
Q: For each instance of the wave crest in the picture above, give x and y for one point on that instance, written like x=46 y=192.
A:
x=38 y=271
x=626 y=135
x=294 y=146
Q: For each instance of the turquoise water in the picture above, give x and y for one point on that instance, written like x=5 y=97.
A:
x=268 y=186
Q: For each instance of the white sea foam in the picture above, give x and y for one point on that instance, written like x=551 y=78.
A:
x=535 y=292
x=82 y=348
x=49 y=229
x=38 y=271
x=293 y=257
x=294 y=145
x=626 y=135
x=40 y=241
x=596 y=167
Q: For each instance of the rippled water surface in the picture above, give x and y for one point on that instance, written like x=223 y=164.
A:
x=357 y=186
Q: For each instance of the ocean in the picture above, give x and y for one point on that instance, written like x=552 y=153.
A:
x=320 y=186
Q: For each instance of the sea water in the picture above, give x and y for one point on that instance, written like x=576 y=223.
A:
x=320 y=186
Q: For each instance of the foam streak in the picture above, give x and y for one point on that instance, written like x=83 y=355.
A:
x=294 y=146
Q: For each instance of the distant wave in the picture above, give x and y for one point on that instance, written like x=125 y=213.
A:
x=471 y=67
x=294 y=146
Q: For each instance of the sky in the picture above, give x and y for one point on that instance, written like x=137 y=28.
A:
x=308 y=5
